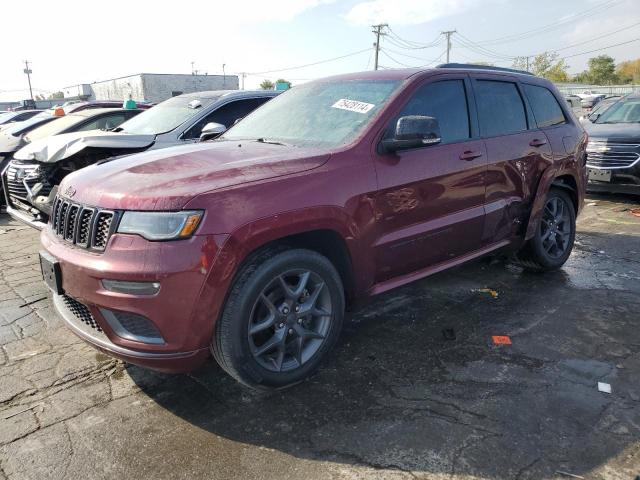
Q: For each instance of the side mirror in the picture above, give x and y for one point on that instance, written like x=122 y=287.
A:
x=212 y=130
x=593 y=117
x=413 y=131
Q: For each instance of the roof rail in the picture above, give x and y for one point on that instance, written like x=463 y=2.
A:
x=483 y=67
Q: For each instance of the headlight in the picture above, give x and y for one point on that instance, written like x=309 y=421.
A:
x=160 y=225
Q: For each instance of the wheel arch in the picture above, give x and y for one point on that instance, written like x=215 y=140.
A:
x=552 y=178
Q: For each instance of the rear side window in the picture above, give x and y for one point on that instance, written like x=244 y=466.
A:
x=545 y=107
x=447 y=102
x=500 y=108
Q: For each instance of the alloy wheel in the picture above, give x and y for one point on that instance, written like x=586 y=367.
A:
x=555 y=227
x=290 y=320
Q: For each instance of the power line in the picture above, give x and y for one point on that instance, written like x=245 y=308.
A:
x=600 y=49
x=311 y=64
x=552 y=26
x=394 y=60
x=471 y=45
x=410 y=44
x=598 y=37
x=404 y=54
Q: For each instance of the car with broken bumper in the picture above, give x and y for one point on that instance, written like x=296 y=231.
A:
x=251 y=247
x=28 y=182
x=183 y=119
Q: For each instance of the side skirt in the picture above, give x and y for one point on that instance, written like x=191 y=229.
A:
x=425 y=272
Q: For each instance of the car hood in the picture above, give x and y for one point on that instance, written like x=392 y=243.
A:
x=167 y=179
x=613 y=131
x=58 y=147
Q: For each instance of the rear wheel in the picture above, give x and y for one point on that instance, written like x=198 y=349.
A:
x=282 y=317
x=553 y=241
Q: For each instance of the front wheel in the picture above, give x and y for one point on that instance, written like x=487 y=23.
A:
x=552 y=243
x=283 y=315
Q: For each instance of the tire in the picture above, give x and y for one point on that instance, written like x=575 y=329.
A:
x=271 y=307
x=541 y=254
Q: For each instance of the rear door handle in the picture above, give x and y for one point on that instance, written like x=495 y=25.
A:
x=470 y=155
x=536 y=142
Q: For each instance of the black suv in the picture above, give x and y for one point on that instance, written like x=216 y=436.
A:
x=613 y=151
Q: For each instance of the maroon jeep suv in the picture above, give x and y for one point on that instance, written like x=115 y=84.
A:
x=250 y=247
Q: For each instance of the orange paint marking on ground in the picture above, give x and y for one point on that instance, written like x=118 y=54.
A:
x=501 y=340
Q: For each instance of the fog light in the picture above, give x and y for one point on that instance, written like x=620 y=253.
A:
x=132 y=326
x=131 y=288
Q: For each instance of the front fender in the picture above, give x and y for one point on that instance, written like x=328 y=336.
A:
x=234 y=248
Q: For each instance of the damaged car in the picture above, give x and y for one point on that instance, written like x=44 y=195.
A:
x=20 y=182
x=31 y=180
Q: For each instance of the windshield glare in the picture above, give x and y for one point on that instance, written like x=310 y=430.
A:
x=323 y=114
x=19 y=128
x=623 y=111
x=54 y=127
x=165 y=116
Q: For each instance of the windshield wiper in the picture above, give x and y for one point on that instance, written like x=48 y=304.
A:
x=117 y=129
x=272 y=142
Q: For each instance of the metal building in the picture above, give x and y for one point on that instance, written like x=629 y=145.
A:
x=150 y=87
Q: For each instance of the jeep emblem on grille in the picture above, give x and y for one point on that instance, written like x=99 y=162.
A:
x=69 y=191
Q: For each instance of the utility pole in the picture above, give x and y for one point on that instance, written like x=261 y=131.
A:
x=243 y=76
x=192 y=70
x=28 y=71
x=448 y=34
x=377 y=29
x=224 y=75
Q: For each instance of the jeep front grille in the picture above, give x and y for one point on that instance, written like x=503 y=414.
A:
x=82 y=226
x=602 y=154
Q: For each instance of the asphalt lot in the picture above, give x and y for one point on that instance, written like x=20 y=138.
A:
x=397 y=400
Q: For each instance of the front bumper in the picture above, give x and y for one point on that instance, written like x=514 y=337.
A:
x=181 y=268
x=165 y=362
x=623 y=180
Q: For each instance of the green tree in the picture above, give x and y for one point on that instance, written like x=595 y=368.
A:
x=629 y=71
x=547 y=65
x=602 y=70
x=267 y=85
x=56 y=96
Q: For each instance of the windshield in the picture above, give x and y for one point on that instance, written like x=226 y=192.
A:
x=165 y=116
x=4 y=116
x=19 y=128
x=55 y=127
x=623 y=111
x=603 y=105
x=324 y=114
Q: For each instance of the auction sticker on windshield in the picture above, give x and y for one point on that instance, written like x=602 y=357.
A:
x=353 y=105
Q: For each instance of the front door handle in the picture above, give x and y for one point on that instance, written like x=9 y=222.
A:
x=470 y=155
x=536 y=142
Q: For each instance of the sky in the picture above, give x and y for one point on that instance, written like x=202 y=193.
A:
x=69 y=42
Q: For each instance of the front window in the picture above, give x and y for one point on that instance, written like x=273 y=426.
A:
x=317 y=114
x=166 y=116
x=623 y=111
